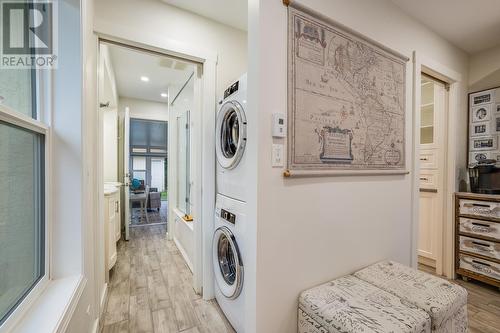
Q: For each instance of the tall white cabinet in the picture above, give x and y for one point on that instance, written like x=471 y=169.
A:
x=432 y=152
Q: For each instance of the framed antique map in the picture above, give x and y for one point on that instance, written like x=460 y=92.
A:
x=347 y=100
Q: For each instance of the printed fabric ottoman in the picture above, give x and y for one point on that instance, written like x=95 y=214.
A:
x=351 y=305
x=445 y=302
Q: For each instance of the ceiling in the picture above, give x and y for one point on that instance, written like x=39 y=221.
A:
x=471 y=25
x=165 y=74
x=230 y=12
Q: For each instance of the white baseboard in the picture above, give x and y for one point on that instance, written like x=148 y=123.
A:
x=183 y=253
x=104 y=297
x=95 y=327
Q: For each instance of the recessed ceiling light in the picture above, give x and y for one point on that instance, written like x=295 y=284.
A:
x=144 y=79
x=164 y=95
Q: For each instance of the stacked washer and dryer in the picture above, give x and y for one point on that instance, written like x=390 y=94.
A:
x=230 y=208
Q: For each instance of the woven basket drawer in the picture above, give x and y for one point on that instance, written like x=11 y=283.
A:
x=480 y=266
x=480 y=208
x=480 y=246
x=480 y=228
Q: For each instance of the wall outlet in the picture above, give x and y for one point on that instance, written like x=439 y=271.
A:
x=278 y=156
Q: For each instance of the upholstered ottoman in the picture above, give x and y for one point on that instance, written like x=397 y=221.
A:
x=445 y=302
x=352 y=305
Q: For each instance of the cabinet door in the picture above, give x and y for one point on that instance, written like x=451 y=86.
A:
x=118 y=218
x=111 y=233
x=431 y=112
x=428 y=219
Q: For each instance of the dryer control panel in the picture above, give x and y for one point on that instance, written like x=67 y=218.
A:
x=229 y=217
x=231 y=90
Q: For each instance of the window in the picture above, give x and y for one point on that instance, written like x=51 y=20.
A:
x=23 y=263
x=22 y=248
x=148 y=147
x=139 y=167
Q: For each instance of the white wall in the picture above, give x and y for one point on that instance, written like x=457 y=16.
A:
x=110 y=144
x=144 y=109
x=484 y=70
x=77 y=138
x=312 y=230
x=108 y=94
x=155 y=18
x=180 y=173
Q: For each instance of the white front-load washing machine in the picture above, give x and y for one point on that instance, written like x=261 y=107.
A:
x=228 y=257
x=230 y=141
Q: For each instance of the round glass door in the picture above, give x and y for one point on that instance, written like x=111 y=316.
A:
x=227 y=263
x=230 y=134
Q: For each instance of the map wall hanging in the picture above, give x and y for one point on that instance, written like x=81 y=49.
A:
x=346 y=100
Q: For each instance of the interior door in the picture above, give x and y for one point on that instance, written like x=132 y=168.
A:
x=126 y=172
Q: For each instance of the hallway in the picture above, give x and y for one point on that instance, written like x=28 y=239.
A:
x=150 y=290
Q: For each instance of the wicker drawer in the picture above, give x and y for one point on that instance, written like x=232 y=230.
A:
x=480 y=266
x=480 y=228
x=480 y=246
x=480 y=208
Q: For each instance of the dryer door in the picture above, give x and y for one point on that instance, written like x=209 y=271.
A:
x=228 y=267
x=231 y=134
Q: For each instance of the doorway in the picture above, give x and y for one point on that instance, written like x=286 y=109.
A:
x=141 y=160
x=432 y=172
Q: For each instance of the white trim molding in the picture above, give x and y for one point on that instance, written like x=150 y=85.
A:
x=51 y=312
x=421 y=63
x=204 y=182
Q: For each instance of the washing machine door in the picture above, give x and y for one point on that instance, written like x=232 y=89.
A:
x=231 y=134
x=228 y=267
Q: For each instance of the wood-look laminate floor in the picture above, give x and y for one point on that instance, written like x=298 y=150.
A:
x=150 y=290
x=483 y=305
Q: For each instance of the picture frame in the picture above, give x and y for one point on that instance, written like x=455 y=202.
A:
x=482 y=97
x=483 y=143
x=481 y=113
x=480 y=128
x=475 y=157
x=497 y=107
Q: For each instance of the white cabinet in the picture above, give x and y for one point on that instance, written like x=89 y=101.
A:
x=427 y=240
x=112 y=224
x=432 y=150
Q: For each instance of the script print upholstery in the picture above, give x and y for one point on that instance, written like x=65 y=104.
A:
x=349 y=304
x=444 y=301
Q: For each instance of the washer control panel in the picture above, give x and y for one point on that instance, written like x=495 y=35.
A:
x=229 y=217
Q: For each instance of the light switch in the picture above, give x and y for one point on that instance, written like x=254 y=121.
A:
x=277 y=156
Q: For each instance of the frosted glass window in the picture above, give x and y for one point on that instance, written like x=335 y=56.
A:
x=138 y=132
x=427 y=111
x=16 y=90
x=148 y=135
x=22 y=255
x=158 y=134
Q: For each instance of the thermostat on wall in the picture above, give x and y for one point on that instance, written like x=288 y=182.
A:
x=279 y=125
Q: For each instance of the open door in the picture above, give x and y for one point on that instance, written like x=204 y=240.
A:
x=126 y=172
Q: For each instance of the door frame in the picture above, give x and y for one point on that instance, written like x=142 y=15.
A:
x=423 y=64
x=203 y=280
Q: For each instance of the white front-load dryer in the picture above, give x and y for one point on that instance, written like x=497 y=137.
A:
x=231 y=140
x=228 y=259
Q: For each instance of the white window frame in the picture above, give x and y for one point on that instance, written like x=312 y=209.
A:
x=38 y=125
